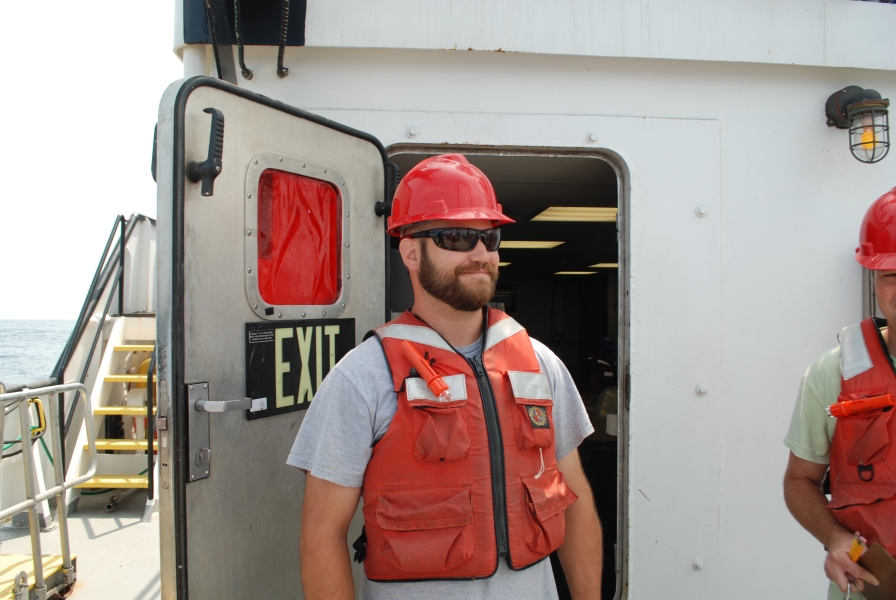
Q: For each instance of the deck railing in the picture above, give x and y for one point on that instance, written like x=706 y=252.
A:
x=10 y=401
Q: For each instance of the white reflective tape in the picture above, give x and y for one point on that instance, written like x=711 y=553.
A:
x=417 y=389
x=500 y=331
x=259 y=404
x=854 y=357
x=414 y=333
x=531 y=386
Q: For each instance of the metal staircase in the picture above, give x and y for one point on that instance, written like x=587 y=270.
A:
x=122 y=409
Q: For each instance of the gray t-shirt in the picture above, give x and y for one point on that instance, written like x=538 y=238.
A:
x=354 y=407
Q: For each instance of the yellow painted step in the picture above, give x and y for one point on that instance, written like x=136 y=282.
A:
x=134 y=378
x=124 y=411
x=135 y=348
x=116 y=481
x=12 y=564
x=123 y=445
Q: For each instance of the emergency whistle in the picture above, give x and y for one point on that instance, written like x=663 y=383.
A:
x=433 y=380
x=851 y=407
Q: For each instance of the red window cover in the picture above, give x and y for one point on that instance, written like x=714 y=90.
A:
x=299 y=239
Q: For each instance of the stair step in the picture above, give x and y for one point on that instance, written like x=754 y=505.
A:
x=131 y=378
x=135 y=348
x=124 y=411
x=123 y=445
x=116 y=481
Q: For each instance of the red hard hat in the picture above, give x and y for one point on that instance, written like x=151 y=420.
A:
x=877 y=239
x=444 y=187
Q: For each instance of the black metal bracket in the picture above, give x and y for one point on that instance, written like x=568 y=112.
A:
x=210 y=168
x=222 y=39
x=393 y=178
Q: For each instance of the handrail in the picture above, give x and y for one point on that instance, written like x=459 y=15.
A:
x=32 y=497
x=86 y=308
x=96 y=339
x=99 y=283
x=91 y=442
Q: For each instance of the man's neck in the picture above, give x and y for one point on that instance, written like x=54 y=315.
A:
x=890 y=339
x=459 y=328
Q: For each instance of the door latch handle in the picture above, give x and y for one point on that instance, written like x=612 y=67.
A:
x=219 y=406
x=207 y=170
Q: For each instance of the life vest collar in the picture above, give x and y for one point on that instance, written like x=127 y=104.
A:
x=854 y=356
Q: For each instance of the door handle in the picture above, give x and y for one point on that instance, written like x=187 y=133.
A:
x=207 y=170
x=199 y=425
x=219 y=406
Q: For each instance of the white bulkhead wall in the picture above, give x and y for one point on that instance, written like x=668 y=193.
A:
x=740 y=300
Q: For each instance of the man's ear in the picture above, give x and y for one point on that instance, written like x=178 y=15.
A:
x=410 y=253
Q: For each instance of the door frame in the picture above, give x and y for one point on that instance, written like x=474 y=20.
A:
x=623 y=199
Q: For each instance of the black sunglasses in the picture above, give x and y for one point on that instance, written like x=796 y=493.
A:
x=460 y=239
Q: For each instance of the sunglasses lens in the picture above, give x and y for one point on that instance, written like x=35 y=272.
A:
x=491 y=239
x=462 y=240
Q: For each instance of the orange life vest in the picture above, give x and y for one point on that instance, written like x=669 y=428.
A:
x=863 y=466
x=452 y=487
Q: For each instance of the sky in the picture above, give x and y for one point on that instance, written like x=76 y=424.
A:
x=79 y=102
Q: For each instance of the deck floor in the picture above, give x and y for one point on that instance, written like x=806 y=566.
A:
x=118 y=554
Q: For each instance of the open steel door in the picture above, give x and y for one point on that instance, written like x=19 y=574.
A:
x=271 y=268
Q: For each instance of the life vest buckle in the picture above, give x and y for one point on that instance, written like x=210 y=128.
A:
x=862 y=469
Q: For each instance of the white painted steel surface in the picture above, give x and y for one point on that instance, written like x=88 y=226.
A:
x=831 y=33
x=740 y=300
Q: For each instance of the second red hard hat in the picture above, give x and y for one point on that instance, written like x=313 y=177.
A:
x=444 y=187
x=877 y=238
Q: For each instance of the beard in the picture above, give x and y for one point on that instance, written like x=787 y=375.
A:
x=449 y=288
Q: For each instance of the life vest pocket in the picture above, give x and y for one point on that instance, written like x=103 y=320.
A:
x=875 y=520
x=868 y=435
x=426 y=529
x=533 y=414
x=547 y=499
x=441 y=431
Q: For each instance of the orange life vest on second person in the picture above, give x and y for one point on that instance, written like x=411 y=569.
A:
x=863 y=465
x=452 y=487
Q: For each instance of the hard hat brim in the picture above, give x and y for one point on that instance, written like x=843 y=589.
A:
x=457 y=214
x=877 y=262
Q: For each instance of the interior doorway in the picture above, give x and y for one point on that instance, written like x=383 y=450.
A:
x=559 y=279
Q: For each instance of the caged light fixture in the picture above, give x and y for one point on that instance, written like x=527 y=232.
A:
x=864 y=113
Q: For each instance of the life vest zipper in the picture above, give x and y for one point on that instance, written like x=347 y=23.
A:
x=496 y=455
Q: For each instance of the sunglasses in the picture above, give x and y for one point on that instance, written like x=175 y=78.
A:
x=458 y=239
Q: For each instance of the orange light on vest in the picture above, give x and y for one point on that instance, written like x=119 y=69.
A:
x=434 y=382
x=851 y=407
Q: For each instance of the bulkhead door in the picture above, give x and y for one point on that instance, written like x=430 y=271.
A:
x=271 y=269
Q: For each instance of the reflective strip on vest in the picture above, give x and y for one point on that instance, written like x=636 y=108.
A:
x=854 y=357
x=500 y=331
x=413 y=333
x=532 y=386
x=418 y=390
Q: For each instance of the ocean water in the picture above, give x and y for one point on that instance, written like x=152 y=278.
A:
x=29 y=349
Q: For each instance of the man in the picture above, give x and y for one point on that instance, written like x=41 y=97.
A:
x=469 y=479
x=856 y=446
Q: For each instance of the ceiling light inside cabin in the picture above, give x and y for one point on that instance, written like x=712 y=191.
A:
x=530 y=245
x=604 y=266
x=599 y=214
x=574 y=273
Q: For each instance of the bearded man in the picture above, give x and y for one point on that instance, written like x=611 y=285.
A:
x=466 y=457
